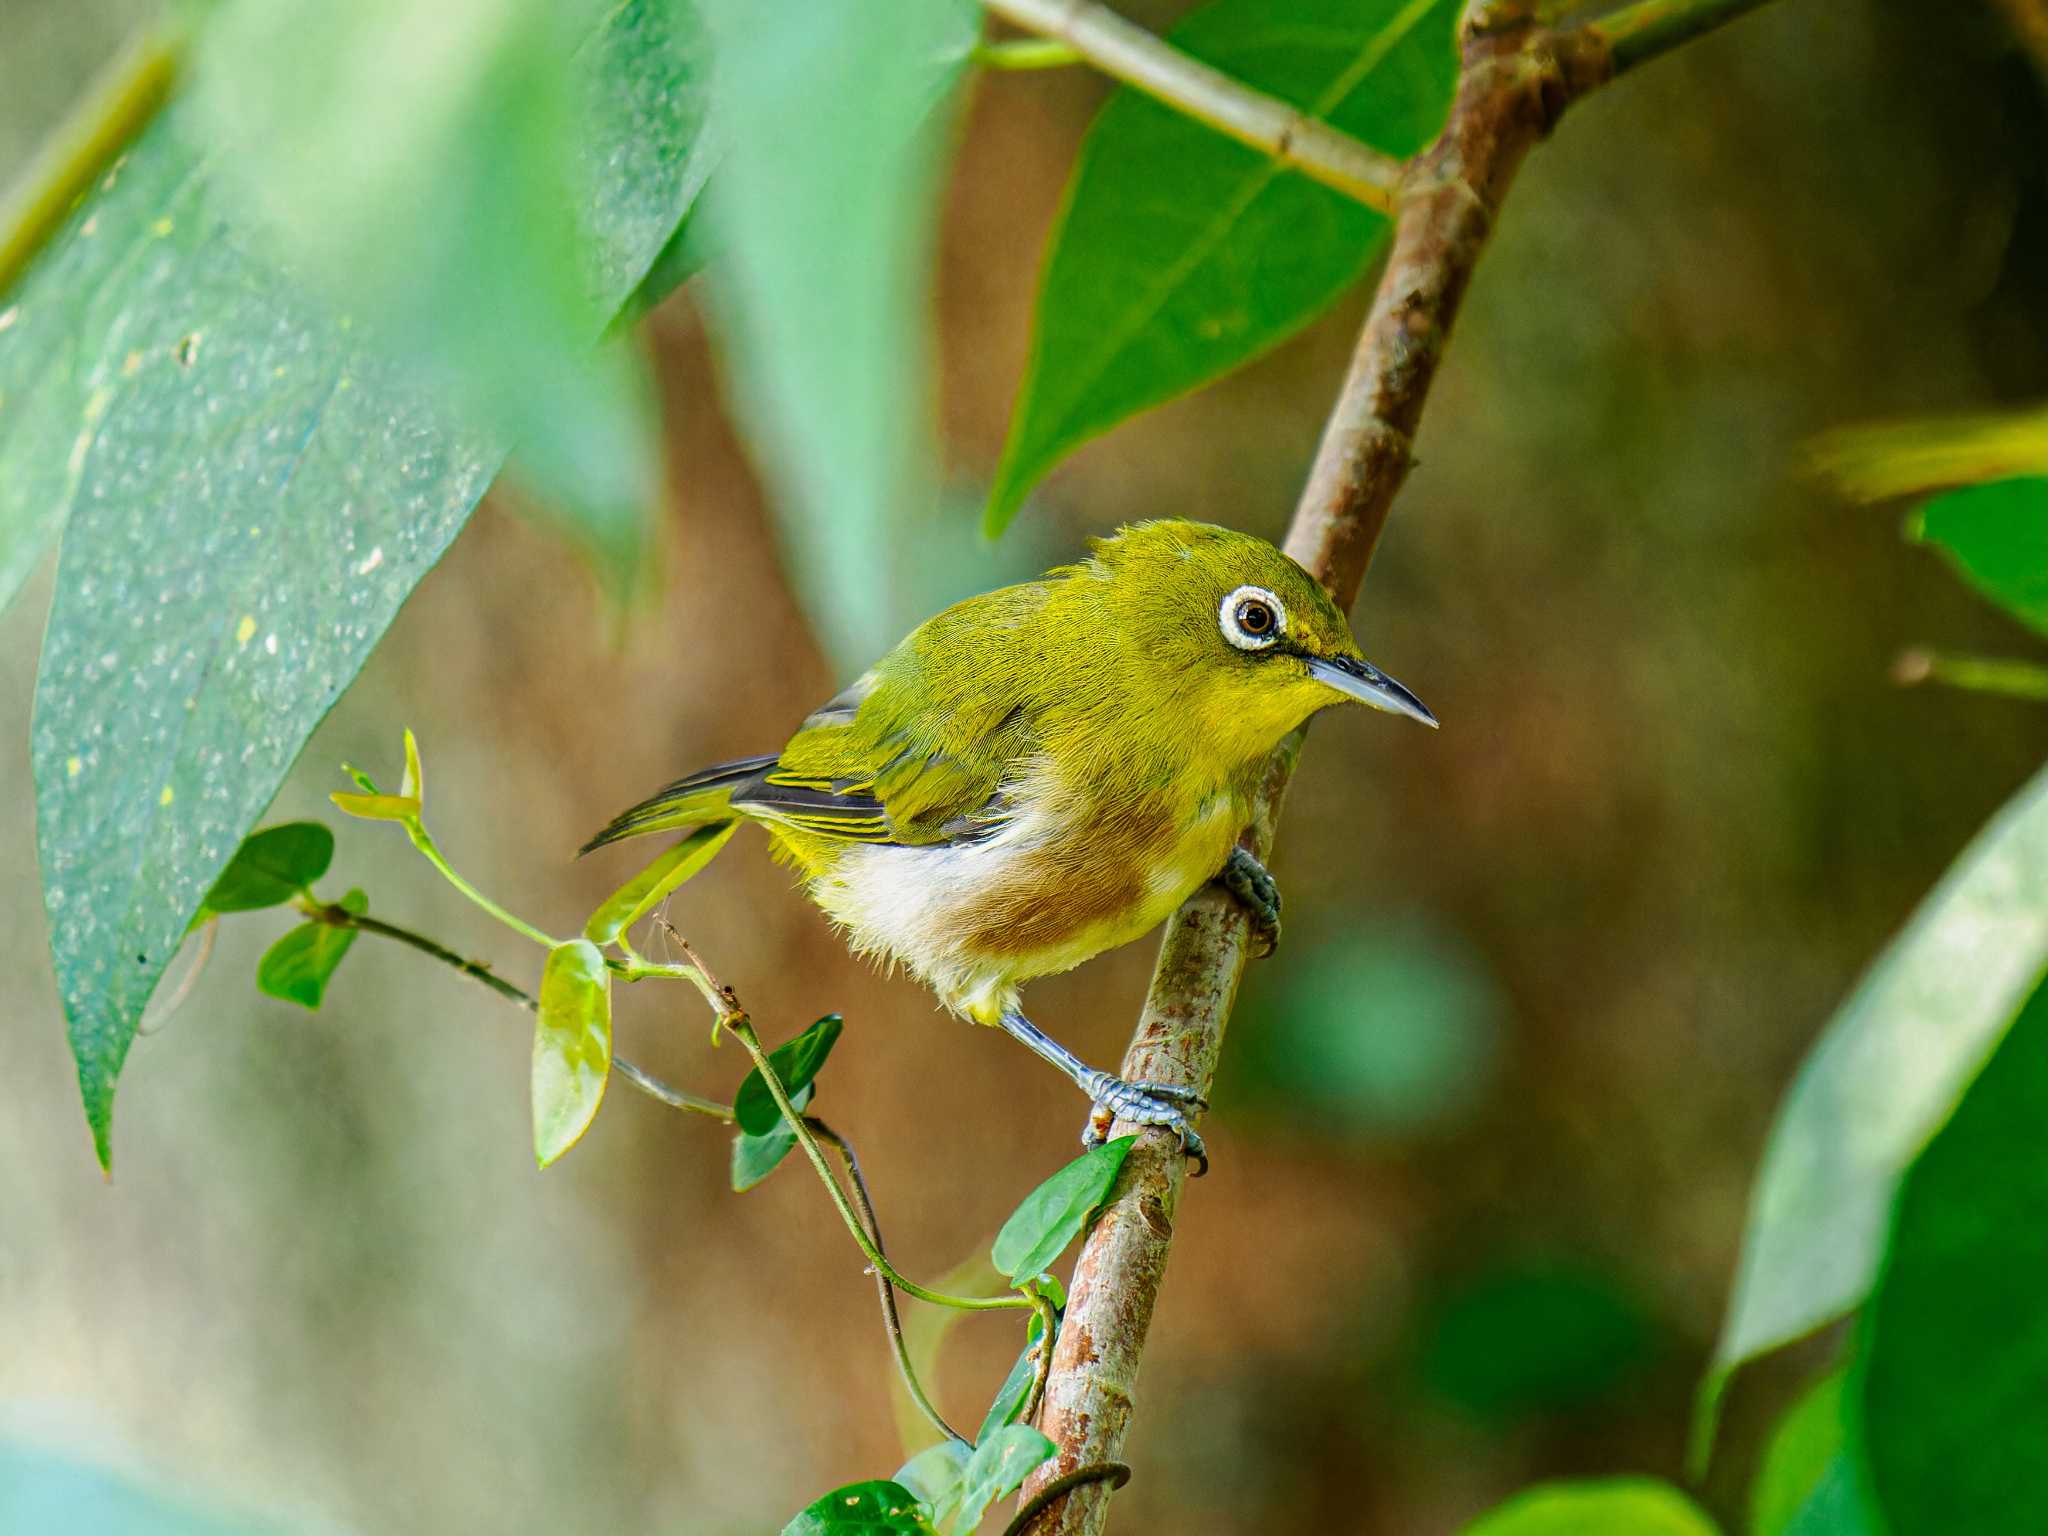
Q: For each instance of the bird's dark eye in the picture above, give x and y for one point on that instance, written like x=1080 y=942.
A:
x=1252 y=619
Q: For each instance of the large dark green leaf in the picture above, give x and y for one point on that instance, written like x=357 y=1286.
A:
x=438 y=200
x=862 y=1509
x=1952 y=1375
x=1620 y=1506
x=251 y=495
x=819 y=226
x=1996 y=536
x=1181 y=253
x=1052 y=1215
x=1888 y=1071
x=797 y=1062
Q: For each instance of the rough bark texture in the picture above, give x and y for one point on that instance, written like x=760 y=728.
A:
x=1515 y=79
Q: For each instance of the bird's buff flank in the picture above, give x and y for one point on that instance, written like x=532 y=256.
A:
x=1046 y=771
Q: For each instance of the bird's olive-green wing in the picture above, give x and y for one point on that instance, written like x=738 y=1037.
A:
x=917 y=751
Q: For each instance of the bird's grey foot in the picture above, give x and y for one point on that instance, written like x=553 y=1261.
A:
x=1258 y=893
x=1143 y=1103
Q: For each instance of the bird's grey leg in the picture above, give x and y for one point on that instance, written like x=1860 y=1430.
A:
x=1142 y=1103
x=1256 y=891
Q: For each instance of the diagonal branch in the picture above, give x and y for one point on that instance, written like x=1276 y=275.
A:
x=1516 y=77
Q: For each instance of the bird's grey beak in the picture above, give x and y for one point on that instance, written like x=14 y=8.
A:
x=1357 y=678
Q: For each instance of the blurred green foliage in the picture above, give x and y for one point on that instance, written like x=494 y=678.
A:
x=1996 y=536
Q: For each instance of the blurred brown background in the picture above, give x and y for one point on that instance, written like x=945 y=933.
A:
x=1487 y=1125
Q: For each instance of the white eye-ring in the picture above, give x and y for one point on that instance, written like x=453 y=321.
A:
x=1252 y=619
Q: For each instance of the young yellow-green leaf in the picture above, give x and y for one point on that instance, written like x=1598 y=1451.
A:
x=1000 y=1463
x=413 y=783
x=1619 y=1506
x=1053 y=1214
x=1891 y=1065
x=654 y=884
x=796 y=1063
x=263 y=486
x=1996 y=537
x=819 y=226
x=755 y=1157
x=271 y=867
x=1881 y=461
x=1950 y=1378
x=399 y=808
x=1805 y=1443
x=572 y=1047
x=875 y=1508
x=297 y=967
x=1182 y=254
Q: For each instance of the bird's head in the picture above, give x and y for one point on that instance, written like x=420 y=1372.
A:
x=1251 y=642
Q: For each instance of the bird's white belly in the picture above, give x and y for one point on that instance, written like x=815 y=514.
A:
x=926 y=907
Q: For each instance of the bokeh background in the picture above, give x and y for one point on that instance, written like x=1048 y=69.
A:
x=1487 y=1125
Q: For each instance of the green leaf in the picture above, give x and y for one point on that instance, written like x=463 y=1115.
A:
x=1182 y=254
x=1951 y=1376
x=1838 y=1505
x=862 y=1509
x=271 y=867
x=1000 y=1463
x=251 y=494
x=1620 y=1506
x=1807 y=1440
x=572 y=1047
x=1528 y=1338
x=796 y=1063
x=1054 y=1214
x=437 y=200
x=654 y=884
x=1016 y=1387
x=297 y=967
x=1996 y=537
x=1883 y=1076
x=819 y=225
x=933 y=1476
x=755 y=1157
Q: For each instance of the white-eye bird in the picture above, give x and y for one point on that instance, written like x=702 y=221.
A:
x=1046 y=771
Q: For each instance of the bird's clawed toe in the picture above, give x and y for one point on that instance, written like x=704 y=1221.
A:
x=1145 y=1103
x=1258 y=893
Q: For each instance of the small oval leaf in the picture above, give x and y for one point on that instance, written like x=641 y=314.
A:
x=271 y=867
x=796 y=1063
x=1009 y=1398
x=998 y=1468
x=572 y=1047
x=652 y=886
x=878 y=1508
x=399 y=808
x=298 y=966
x=755 y=1157
x=1053 y=1214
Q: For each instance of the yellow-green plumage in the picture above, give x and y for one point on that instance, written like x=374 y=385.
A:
x=1046 y=771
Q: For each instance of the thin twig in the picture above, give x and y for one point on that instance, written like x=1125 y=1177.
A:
x=1127 y=52
x=1648 y=29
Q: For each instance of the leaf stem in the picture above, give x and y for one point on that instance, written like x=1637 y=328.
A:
x=118 y=106
x=1126 y=51
x=2007 y=677
x=1027 y=53
x=423 y=840
x=1648 y=29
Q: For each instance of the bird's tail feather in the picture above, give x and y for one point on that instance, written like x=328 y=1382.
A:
x=689 y=802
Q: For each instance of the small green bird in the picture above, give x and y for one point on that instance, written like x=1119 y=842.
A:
x=1048 y=770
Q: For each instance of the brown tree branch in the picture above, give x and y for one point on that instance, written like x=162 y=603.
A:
x=1516 y=77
